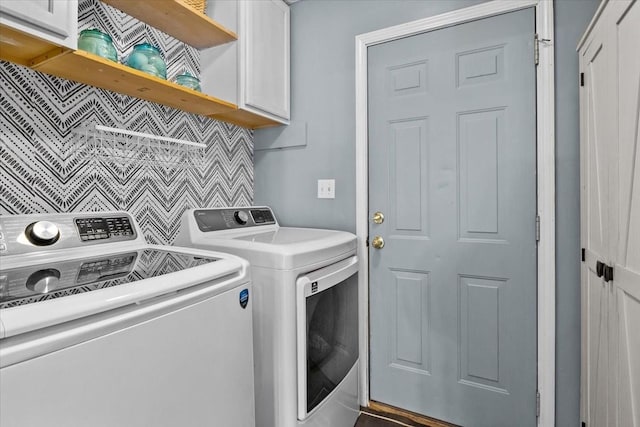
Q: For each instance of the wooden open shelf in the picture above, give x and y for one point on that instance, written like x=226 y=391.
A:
x=171 y=16
x=24 y=49
x=178 y=20
x=95 y=71
x=246 y=119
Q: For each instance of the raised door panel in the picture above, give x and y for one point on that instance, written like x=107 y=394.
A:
x=265 y=53
x=597 y=354
x=627 y=351
x=219 y=64
x=598 y=138
x=52 y=20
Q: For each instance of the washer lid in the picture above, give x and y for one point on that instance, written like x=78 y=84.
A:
x=280 y=248
x=289 y=236
x=128 y=280
x=45 y=281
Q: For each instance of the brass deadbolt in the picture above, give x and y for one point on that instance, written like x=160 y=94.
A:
x=378 y=218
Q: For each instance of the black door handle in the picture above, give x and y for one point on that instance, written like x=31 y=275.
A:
x=608 y=273
x=599 y=268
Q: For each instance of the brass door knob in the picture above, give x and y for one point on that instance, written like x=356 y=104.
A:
x=377 y=242
x=378 y=218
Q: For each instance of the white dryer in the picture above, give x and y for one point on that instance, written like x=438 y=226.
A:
x=305 y=312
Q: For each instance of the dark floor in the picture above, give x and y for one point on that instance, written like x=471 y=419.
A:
x=380 y=415
x=366 y=420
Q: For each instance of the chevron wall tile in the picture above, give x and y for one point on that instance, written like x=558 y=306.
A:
x=43 y=167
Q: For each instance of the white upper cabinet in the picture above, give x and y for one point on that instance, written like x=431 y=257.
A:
x=254 y=72
x=55 y=21
x=264 y=64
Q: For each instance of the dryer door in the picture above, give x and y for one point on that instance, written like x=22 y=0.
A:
x=327 y=328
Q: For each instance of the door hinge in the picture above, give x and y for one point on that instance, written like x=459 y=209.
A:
x=536 y=47
x=537 y=228
x=537 y=404
x=366 y=241
x=584 y=254
x=581 y=79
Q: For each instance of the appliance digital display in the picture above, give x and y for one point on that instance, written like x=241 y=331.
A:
x=104 y=228
x=262 y=216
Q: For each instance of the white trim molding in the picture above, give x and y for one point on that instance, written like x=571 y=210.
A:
x=545 y=179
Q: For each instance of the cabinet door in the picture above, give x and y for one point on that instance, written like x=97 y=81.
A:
x=265 y=56
x=625 y=188
x=52 y=20
x=597 y=133
x=610 y=175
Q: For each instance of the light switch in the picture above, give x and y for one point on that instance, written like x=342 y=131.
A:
x=326 y=189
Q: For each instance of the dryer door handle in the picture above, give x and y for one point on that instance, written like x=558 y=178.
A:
x=320 y=280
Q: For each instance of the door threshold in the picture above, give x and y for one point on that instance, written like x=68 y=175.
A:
x=402 y=415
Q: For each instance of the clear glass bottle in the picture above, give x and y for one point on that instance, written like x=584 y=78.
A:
x=99 y=43
x=187 y=80
x=147 y=58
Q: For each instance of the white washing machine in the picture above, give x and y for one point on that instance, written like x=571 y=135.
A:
x=305 y=312
x=99 y=328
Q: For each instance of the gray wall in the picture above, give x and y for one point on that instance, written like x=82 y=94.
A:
x=323 y=96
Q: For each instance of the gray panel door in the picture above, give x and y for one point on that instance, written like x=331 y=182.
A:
x=452 y=166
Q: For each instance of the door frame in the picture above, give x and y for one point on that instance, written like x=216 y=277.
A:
x=545 y=158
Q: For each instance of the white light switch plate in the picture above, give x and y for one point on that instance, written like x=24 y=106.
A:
x=326 y=189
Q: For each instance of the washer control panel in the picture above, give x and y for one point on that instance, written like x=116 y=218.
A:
x=20 y=234
x=230 y=218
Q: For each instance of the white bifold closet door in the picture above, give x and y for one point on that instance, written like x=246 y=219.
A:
x=610 y=194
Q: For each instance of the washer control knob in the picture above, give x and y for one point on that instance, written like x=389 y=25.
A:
x=241 y=217
x=43 y=281
x=42 y=233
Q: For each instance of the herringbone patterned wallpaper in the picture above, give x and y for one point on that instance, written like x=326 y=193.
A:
x=43 y=171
